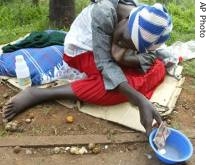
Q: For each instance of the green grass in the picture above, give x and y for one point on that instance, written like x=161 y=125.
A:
x=80 y=4
x=189 y=68
x=19 y=17
x=3 y=132
x=183 y=22
x=183 y=14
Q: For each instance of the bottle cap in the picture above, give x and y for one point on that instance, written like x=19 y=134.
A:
x=19 y=58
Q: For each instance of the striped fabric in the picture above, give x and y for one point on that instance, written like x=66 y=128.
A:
x=45 y=64
x=128 y=2
x=149 y=26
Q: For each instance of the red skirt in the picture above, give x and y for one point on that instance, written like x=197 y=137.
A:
x=92 y=88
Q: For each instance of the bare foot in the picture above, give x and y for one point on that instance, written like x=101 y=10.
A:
x=32 y=96
x=18 y=103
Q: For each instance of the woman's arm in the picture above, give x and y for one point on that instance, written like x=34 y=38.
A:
x=125 y=57
x=146 y=109
x=120 y=46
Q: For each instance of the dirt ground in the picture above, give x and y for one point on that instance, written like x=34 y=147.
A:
x=50 y=119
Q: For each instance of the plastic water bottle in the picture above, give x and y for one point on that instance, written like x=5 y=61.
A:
x=22 y=72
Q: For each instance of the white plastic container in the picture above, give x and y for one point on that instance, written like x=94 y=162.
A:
x=22 y=72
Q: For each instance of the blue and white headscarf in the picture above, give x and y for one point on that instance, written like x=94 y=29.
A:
x=149 y=26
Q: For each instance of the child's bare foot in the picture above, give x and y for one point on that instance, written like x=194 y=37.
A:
x=32 y=96
x=17 y=104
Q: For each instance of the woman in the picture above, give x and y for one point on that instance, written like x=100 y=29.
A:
x=102 y=42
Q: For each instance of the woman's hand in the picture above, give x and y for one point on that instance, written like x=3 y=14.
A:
x=147 y=114
x=146 y=109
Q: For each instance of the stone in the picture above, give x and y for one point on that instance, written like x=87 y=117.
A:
x=105 y=131
x=74 y=150
x=82 y=151
x=175 y=112
x=28 y=121
x=96 y=150
x=106 y=147
x=149 y=156
x=6 y=95
x=67 y=149
x=11 y=126
x=8 y=127
x=131 y=147
x=28 y=152
x=91 y=146
x=56 y=150
x=17 y=149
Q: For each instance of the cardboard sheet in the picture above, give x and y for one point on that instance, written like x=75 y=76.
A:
x=164 y=100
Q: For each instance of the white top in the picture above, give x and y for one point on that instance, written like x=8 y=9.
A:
x=79 y=37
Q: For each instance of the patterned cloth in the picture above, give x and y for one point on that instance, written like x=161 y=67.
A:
x=149 y=26
x=128 y=2
x=45 y=64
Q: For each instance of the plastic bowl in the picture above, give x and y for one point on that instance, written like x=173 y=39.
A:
x=178 y=147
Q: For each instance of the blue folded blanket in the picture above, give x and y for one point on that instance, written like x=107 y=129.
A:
x=45 y=64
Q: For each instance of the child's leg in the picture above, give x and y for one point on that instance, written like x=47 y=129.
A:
x=32 y=96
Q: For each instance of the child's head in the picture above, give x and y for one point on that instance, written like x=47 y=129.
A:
x=149 y=27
